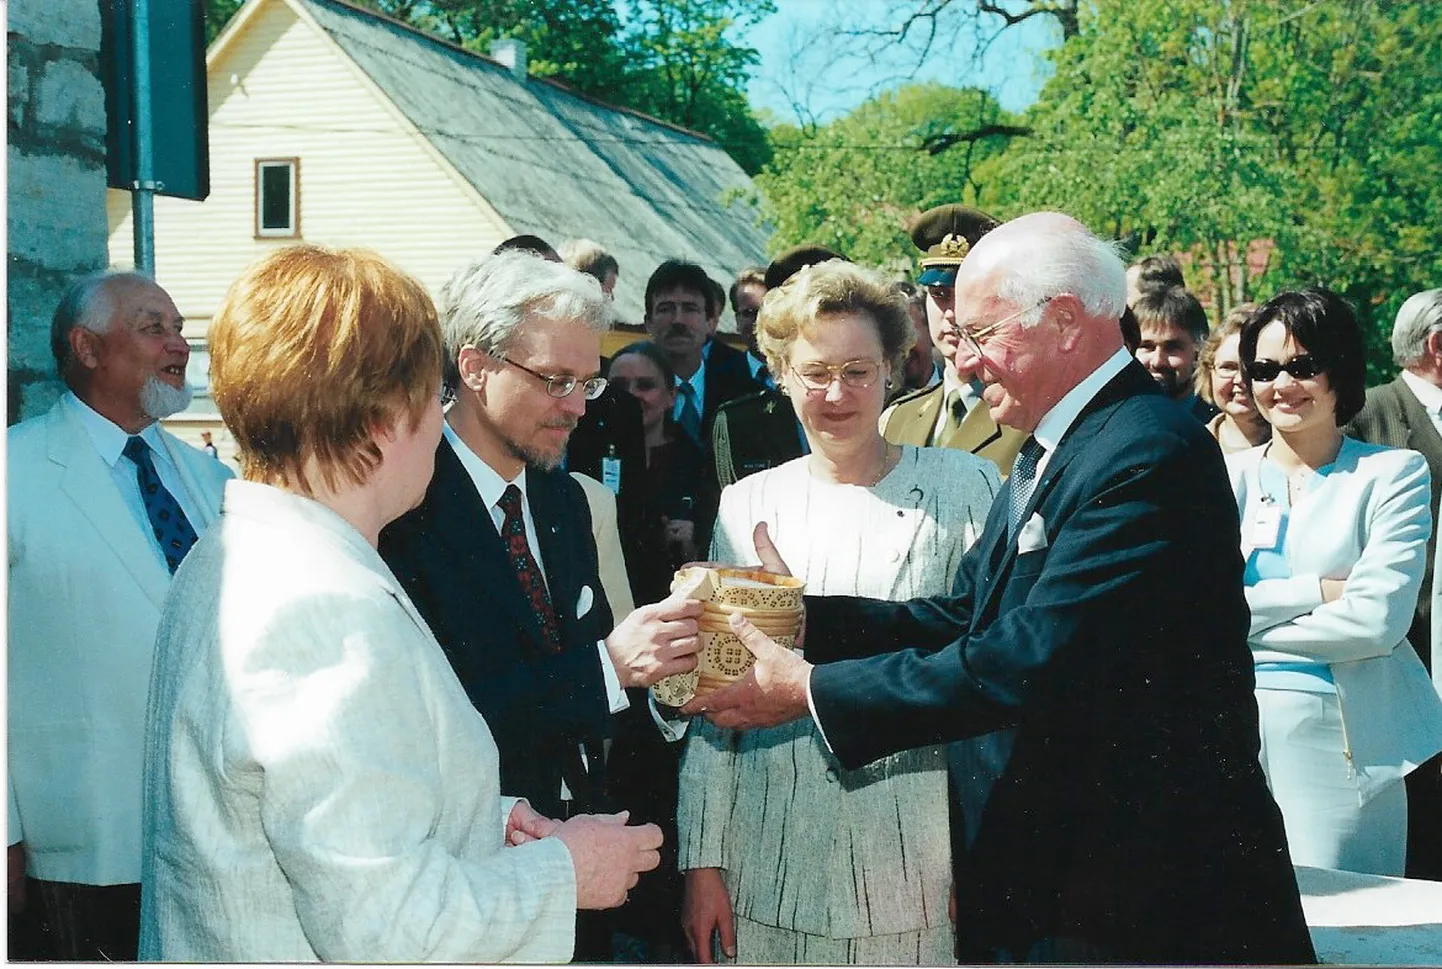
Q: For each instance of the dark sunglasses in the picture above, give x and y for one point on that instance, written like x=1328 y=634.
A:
x=1302 y=367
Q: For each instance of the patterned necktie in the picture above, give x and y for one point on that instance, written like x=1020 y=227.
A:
x=513 y=530
x=690 y=419
x=167 y=520
x=1023 y=479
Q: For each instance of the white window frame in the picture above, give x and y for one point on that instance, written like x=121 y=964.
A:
x=291 y=231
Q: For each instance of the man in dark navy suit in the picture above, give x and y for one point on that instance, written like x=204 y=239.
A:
x=1108 y=801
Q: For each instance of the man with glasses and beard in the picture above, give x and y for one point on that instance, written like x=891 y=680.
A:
x=499 y=559
x=104 y=504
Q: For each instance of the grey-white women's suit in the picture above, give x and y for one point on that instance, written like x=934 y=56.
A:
x=318 y=785
x=823 y=864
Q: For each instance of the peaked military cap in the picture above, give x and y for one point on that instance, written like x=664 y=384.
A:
x=945 y=235
x=795 y=259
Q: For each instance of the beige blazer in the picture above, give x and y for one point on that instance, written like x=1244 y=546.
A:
x=318 y=785
x=609 y=557
x=86 y=587
x=912 y=420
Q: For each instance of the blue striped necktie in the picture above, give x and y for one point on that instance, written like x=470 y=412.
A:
x=167 y=520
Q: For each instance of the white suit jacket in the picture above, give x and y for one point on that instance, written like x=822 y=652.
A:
x=318 y=784
x=86 y=588
x=610 y=559
x=1367 y=520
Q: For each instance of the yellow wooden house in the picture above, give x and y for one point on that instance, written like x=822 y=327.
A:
x=336 y=125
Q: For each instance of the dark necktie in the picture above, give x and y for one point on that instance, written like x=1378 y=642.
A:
x=956 y=402
x=513 y=530
x=1023 y=479
x=167 y=520
x=690 y=419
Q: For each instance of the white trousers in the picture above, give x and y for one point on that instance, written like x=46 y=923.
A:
x=1328 y=825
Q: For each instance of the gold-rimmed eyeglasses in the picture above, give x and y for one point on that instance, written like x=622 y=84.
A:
x=973 y=336
x=562 y=384
x=856 y=374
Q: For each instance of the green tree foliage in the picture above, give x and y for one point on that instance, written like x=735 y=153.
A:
x=854 y=183
x=1305 y=134
x=673 y=59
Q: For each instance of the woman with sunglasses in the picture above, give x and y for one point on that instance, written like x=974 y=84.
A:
x=1334 y=532
x=1219 y=382
x=790 y=858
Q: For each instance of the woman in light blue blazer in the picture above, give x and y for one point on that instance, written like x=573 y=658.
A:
x=1334 y=532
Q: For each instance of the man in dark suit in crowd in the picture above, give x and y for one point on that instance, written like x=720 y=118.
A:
x=1408 y=413
x=681 y=301
x=1109 y=805
x=499 y=557
x=1173 y=327
x=949 y=413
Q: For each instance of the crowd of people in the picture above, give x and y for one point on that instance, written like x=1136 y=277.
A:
x=1112 y=617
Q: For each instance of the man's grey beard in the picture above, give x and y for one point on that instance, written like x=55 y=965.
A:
x=159 y=400
x=537 y=459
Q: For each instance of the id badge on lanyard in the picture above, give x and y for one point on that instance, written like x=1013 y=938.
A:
x=1264 y=526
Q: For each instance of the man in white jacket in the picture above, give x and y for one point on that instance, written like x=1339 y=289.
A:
x=103 y=504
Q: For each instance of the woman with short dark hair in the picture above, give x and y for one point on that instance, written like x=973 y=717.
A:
x=1335 y=533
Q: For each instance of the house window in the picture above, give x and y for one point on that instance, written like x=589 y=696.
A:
x=197 y=370
x=277 y=197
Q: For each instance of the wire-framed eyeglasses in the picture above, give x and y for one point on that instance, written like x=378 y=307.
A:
x=856 y=374
x=973 y=336
x=562 y=384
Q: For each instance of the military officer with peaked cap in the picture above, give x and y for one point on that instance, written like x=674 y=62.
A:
x=950 y=413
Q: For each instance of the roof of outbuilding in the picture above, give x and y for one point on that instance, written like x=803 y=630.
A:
x=556 y=163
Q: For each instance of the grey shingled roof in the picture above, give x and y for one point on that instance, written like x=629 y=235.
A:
x=557 y=164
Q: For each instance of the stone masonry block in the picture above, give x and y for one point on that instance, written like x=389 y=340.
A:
x=30 y=302
x=57 y=211
x=65 y=23
x=68 y=95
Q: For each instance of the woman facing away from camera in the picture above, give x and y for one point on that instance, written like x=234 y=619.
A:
x=318 y=786
x=1334 y=532
x=789 y=858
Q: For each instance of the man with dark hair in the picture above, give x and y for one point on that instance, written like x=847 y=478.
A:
x=1173 y=327
x=681 y=302
x=951 y=412
x=103 y=506
x=1152 y=272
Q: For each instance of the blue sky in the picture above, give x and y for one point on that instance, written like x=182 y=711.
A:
x=813 y=62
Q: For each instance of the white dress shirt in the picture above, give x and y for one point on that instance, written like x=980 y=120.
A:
x=1428 y=395
x=110 y=439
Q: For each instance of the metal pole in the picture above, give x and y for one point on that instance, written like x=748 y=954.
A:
x=143 y=189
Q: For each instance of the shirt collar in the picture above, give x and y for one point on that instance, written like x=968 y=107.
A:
x=1430 y=395
x=755 y=363
x=1057 y=421
x=489 y=485
x=108 y=437
x=951 y=383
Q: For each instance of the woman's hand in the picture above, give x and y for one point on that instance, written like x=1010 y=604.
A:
x=706 y=908
x=1332 y=589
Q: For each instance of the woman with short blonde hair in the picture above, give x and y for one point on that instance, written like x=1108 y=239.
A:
x=789 y=857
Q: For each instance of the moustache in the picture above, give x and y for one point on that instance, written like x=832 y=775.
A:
x=562 y=424
x=678 y=329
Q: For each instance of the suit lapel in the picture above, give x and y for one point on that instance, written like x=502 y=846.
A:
x=462 y=525
x=912 y=421
x=1088 y=423
x=199 y=497
x=1421 y=432
x=88 y=483
x=976 y=431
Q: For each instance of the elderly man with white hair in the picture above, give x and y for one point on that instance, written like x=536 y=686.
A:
x=1407 y=412
x=1108 y=801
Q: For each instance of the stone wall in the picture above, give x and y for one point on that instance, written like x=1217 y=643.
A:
x=56 y=156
